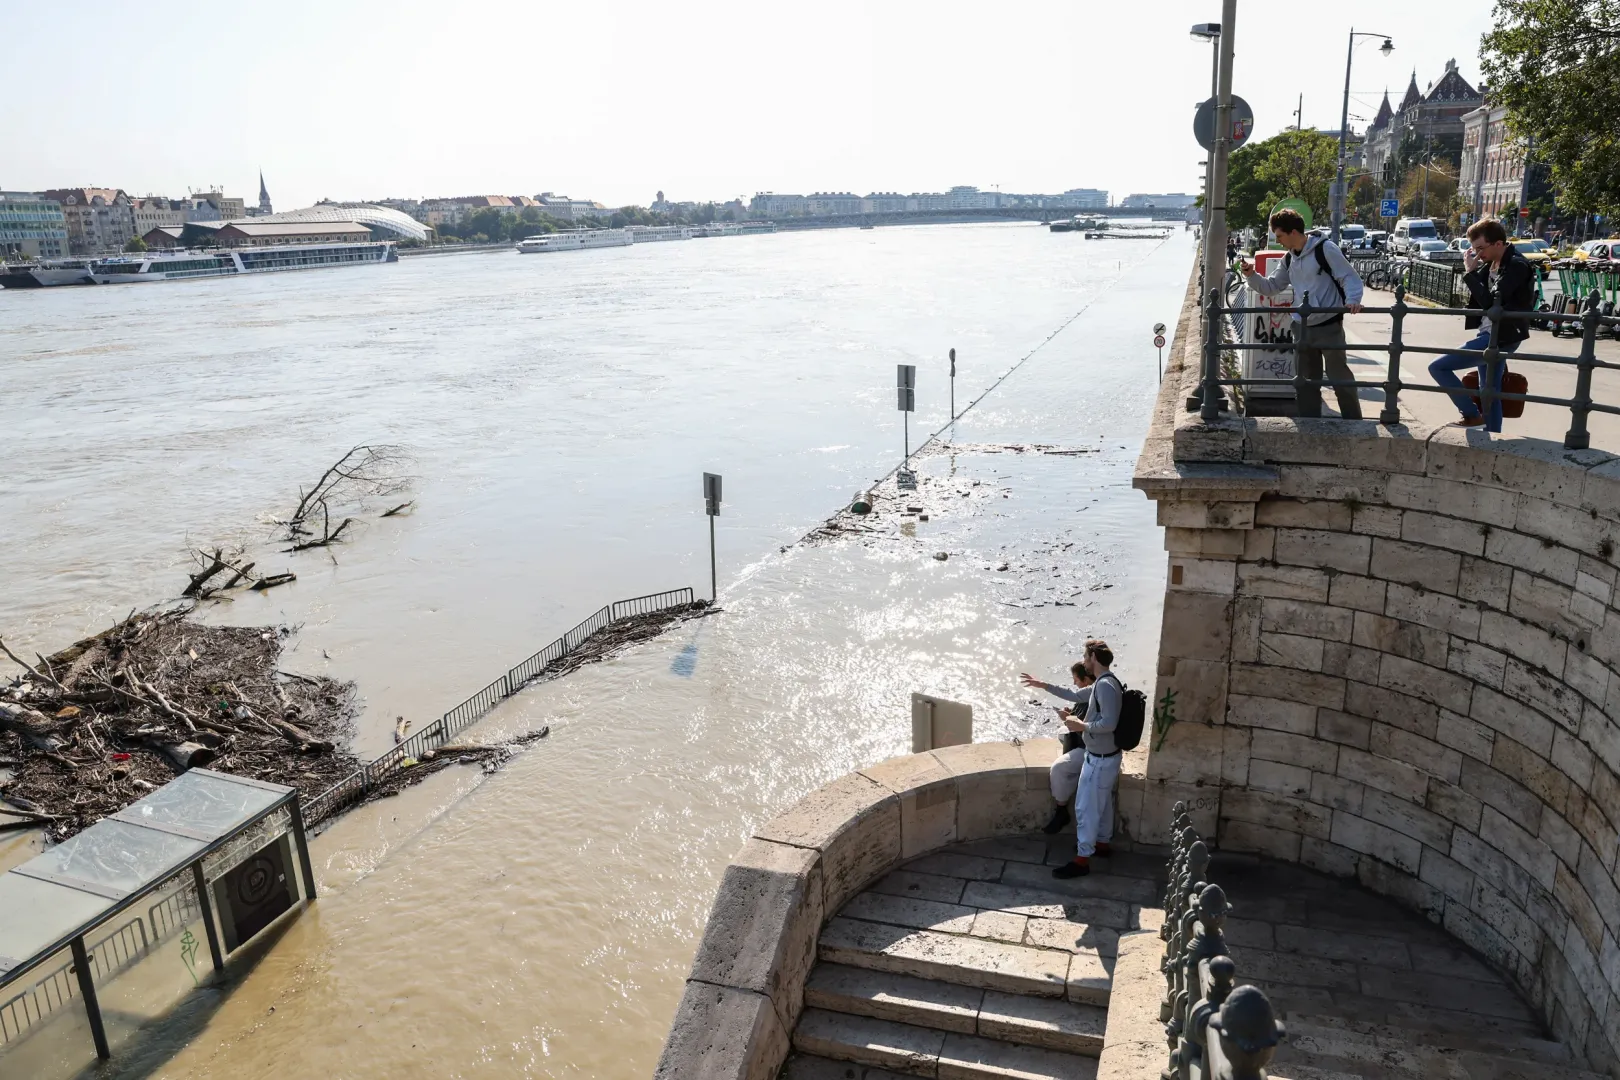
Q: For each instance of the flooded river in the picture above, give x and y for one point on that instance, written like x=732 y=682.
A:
x=538 y=921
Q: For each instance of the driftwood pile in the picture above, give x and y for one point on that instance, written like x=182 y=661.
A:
x=100 y=724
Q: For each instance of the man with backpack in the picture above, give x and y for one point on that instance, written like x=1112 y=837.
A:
x=1318 y=272
x=1111 y=715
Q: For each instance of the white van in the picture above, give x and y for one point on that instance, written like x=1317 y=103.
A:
x=1409 y=231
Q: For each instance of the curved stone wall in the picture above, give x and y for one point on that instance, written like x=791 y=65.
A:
x=1394 y=655
x=746 y=989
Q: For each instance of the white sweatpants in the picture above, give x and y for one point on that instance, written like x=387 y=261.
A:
x=1094 y=803
x=1065 y=776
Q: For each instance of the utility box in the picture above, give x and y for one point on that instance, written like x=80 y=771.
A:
x=937 y=721
x=1272 y=326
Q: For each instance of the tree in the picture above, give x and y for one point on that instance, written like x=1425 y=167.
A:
x=135 y=244
x=1438 y=200
x=1298 y=165
x=1246 y=205
x=1555 y=64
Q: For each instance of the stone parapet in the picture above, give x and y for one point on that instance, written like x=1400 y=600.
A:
x=1393 y=653
x=746 y=989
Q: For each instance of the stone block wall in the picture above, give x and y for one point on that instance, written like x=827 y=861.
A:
x=746 y=989
x=1394 y=655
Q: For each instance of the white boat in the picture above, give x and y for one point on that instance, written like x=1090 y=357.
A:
x=574 y=239
x=172 y=266
x=45 y=274
x=646 y=234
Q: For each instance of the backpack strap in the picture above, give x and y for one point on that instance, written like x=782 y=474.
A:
x=1321 y=260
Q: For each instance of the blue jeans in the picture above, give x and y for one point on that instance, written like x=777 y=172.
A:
x=1443 y=370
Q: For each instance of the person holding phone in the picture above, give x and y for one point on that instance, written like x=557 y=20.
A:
x=1494 y=270
x=1065 y=775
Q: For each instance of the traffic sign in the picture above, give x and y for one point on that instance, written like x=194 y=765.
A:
x=1204 y=123
x=1158 y=328
x=1524 y=211
x=1158 y=341
x=1389 y=208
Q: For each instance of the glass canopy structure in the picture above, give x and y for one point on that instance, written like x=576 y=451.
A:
x=229 y=849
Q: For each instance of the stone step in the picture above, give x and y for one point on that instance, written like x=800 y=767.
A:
x=810 y=1067
x=1049 y=1023
x=986 y=963
x=1505 y=1045
x=1379 y=1059
x=914 y=1051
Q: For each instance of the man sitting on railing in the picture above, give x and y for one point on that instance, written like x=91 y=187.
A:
x=1494 y=271
x=1323 y=277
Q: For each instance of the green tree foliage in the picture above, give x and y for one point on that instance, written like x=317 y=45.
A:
x=1299 y=165
x=1555 y=64
x=1363 y=204
x=1294 y=164
x=135 y=244
x=1430 y=191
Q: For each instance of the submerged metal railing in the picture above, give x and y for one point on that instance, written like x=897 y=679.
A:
x=357 y=784
x=1307 y=391
x=1215 y=1030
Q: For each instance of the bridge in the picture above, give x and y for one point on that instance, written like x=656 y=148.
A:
x=1001 y=213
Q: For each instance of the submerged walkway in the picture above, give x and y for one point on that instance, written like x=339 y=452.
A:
x=975 y=962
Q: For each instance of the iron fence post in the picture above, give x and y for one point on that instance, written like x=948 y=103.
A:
x=199 y=881
x=1307 y=390
x=1210 y=407
x=1392 y=385
x=1578 y=438
x=1492 y=374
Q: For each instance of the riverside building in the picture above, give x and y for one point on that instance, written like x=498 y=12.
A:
x=98 y=219
x=31 y=227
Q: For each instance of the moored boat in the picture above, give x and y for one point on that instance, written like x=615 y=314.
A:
x=43 y=275
x=574 y=240
x=173 y=266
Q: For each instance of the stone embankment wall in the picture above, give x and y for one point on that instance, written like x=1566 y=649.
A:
x=746 y=989
x=1393 y=654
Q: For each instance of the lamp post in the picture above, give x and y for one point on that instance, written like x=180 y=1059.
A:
x=1210 y=32
x=1338 y=199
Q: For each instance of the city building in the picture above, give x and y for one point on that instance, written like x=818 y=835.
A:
x=155 y=212
x=1084 y=199
x=770 y=204
x=1176 y=201
x=261 y=233
x=385 y=223
x=32 y=226
x=932 y=201
x=828 y=203
x=971 y=198
x=1495 y=180
x=163 y=237
x=98 y=219
x=886 y=202
x=229 y=209
x=1427 y=124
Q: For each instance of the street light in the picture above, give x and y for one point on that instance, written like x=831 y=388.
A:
x=1344 y=123
x=1208 y=32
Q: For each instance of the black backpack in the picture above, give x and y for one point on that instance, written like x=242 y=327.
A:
x=1132 y=715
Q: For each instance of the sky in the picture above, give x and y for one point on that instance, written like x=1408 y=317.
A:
x=614 y=101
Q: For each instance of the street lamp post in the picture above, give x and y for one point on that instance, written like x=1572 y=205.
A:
x=1344 y=124
x=1210 y=32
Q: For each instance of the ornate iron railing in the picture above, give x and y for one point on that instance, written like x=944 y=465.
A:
x=1216 y=1031
x=1210 y=398
x=354 y=787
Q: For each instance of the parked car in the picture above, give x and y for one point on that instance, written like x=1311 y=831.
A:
x=1598 y=249
x=1459 y=244
x=1409 y=231
x=1434 y=251
x=1538 y=252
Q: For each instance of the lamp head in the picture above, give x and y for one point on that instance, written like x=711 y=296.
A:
x=1387 y=47
x=1206 y=31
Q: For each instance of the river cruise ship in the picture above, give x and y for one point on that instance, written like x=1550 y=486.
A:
x=646 y=234
x=173 y=266
x=573 y=240
x=42 y=275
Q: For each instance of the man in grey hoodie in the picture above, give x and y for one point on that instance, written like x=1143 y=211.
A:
x=1316 y=270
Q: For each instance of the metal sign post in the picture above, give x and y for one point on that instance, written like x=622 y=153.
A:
x=906 y=383
x=953 y=386
x=1158 y=343
x=711 y=506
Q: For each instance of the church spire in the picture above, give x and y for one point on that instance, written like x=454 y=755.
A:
x=1384 y=112
x=1413 y=94
x=264 y=195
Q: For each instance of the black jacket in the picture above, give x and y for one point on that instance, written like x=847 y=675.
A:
x=1515 y=287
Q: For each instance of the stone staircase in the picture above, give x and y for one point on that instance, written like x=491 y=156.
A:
x=975 y=963
x=970 y=964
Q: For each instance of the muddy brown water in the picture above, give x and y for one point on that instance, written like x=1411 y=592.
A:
x=539 y=921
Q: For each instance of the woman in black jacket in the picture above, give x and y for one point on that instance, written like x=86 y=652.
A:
x=1495 y=272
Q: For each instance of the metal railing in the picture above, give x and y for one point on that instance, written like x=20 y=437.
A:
x=1307 y=391
x=1216 y=1030
x=354 y=787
